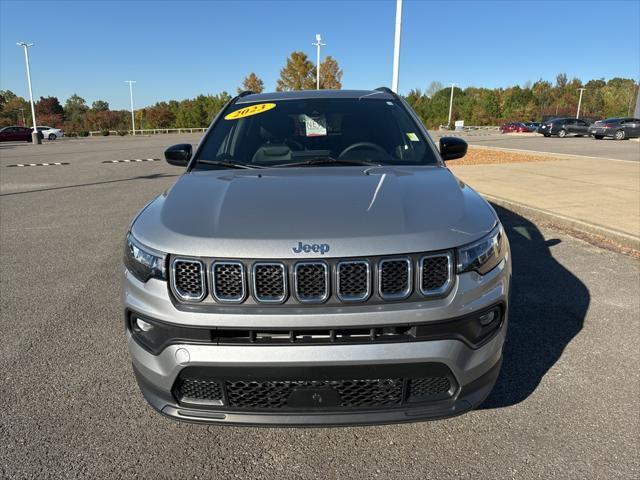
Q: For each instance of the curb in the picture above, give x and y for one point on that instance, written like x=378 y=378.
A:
x=616 y=236
x=550 y=154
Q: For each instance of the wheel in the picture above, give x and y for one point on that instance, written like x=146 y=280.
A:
x=598 y=137
x=619 y=135
x=52 y=136
x=562 y=133
x=546 y=134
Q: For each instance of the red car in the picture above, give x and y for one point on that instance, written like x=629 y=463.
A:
x=16 y=134
x=514 y=127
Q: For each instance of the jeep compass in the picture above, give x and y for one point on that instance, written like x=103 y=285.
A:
x=316 y=264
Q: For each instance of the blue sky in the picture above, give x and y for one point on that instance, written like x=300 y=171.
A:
x=179 y=49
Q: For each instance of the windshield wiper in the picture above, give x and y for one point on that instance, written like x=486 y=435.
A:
x=328 y=161
x=229 y=164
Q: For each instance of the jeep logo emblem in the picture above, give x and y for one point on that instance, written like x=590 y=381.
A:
x=320 y=248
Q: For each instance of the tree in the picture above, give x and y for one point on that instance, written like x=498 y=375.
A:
x=297 y=74
x=100 y=106
x=252 y=83
x=433 y=88
x=75 y=109
x=49 y=106
x=330 y=74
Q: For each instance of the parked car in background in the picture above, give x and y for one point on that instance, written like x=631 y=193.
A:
x=618 y=128
x=15 y=134
x=50 y=132
x=511 y=127
x=564 y=126
x=532 y=126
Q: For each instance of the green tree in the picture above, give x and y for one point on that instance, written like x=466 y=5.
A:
x=75 y=109
x=297 y=74
x=100 y=106
x=252 y=83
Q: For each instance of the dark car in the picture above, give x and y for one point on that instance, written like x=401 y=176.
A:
x=618 y=128
x=514 y=127
x=15 y=134
x=532 y=126
x=564 y=126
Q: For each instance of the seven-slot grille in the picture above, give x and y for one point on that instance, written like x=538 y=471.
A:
x=188 y=279
x=270 y=282
x=314 y=281
x=228 y=281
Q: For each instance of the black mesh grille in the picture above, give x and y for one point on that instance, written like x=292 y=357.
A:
x=193 y=389
x=228 y=281
x=188 y=278
x=354 y=280
x=394 y=278
x=274 y=394
x=435 y=272
x=430 y=387
x=269 y=280
x=311 y=281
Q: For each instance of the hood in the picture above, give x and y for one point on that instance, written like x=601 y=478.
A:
x=356 y=211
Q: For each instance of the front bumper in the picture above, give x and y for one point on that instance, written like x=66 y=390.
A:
x=473 y=369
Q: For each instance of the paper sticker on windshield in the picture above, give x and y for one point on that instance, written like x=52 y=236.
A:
x=250 y=110
x=413 y=137
x=315 y=126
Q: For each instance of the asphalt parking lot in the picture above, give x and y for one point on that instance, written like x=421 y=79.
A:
x=606 y=148
x=566 y=403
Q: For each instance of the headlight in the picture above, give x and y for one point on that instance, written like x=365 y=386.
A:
x=143 y=262
x=483 y=255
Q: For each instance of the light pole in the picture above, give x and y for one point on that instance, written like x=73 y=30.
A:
x=580 y=102
x=318 y=44
x=35 y=138
x=24 y=123
x=450 y=104
x=396 y=46
x=133 y=120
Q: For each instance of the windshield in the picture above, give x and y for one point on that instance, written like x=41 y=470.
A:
x=341 y=130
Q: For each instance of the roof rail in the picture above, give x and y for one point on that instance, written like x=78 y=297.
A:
x=245 y=93
x=386 y=90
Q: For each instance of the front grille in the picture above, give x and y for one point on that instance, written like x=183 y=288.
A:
x=312 y=281
x=395 y=278
x=228 y=281
x=435 y=273
x=330 y=282
x=333 y=389
x=270 y=282
x=354 y=281
x=188 y=279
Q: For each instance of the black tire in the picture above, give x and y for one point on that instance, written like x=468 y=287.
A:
x=598 y=137
x=546 y=134
x=52 y=136
x=562 y=133
x=619 y=135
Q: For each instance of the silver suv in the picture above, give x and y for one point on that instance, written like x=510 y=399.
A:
x=316 y=264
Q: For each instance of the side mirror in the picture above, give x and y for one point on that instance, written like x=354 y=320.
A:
x=452 y=148
x=178 y=155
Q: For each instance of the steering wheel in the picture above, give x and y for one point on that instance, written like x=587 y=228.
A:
x=357 y=145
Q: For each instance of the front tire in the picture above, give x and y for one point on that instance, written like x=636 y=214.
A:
x=546 y=134
x=598 y=137
x=619 y=135
x=52 y=136
x=562 y=133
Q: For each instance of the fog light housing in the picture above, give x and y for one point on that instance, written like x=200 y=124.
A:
x=142 y=325
x=489 y=317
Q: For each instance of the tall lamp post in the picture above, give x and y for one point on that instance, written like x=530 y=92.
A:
x=450 y=104
x=133 y=120
x=35 y=138
x=580 y=101
x=396 y=47
x=318 y=44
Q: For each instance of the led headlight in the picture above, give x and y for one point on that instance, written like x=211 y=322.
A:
x=484 y=254
x=143 y=262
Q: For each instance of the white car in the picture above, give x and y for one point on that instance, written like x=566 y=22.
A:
x=51 y=133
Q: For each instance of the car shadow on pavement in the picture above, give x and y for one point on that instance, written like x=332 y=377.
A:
x=547 y=310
